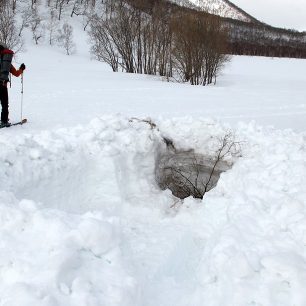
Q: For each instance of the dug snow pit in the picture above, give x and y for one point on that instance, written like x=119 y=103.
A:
x=186 y=173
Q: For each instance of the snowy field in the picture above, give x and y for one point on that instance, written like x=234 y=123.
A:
x=63 y=91
x=83 y=222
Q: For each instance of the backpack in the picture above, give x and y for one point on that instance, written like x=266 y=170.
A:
x=6 y=57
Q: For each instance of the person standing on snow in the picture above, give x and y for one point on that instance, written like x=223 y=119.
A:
x=6 y=68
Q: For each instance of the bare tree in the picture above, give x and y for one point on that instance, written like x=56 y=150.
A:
x=33 y=3
x=52 y=26
x=60 y=4
x=11 y=3
x=36 y=25
x=198 y=48
x=65 y=38
x=14 y=5
x=113 y=35
x=78 y=8
x=26 y=17
x=8 y=30
x=103 y=46
x=87 y=19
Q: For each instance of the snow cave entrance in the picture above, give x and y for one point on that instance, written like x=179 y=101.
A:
x=188 y=174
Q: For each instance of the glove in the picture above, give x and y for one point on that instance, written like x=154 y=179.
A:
x=22 y=67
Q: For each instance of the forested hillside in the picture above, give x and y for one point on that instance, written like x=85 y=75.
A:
x=246 y=35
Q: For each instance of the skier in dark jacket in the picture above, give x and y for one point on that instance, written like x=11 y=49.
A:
x=4 y=91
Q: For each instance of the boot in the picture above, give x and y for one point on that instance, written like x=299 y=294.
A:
x=5 y=124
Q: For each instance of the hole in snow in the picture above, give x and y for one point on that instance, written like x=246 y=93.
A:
x=188 y=174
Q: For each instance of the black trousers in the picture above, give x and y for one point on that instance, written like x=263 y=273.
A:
x=4 y=103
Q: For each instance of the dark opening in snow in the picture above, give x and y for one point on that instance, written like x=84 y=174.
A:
x=188 y=174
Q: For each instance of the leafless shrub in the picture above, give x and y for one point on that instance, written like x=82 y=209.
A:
x=103 y=44
x=198 y=47
x=124 y=36
x=161 y=42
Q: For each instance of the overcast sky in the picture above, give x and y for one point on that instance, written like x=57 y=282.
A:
x=280 y=13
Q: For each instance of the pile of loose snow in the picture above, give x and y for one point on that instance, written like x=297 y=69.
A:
x=84 y=223
x=49 y=257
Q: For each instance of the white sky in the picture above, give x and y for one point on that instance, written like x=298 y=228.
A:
x=279 y=13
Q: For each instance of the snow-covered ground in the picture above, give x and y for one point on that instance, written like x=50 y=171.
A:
x=83 y=222
x=64 y=91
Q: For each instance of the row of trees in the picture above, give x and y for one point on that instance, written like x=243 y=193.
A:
x=42 y=26
x=72 y=7
x=263 y=40
x=190 y=46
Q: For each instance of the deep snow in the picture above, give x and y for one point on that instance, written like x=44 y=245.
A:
x=96 y=230
x=83 y=221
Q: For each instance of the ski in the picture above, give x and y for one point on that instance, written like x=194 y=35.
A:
x=23 y=121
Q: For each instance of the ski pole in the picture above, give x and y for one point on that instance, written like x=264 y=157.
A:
x=21 y=104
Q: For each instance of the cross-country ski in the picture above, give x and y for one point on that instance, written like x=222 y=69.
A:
x=23 y=121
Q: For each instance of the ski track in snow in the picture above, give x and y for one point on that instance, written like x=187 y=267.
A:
x=83 y=222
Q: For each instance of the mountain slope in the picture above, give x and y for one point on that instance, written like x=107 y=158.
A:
x=223 y=8
x=246 y=35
